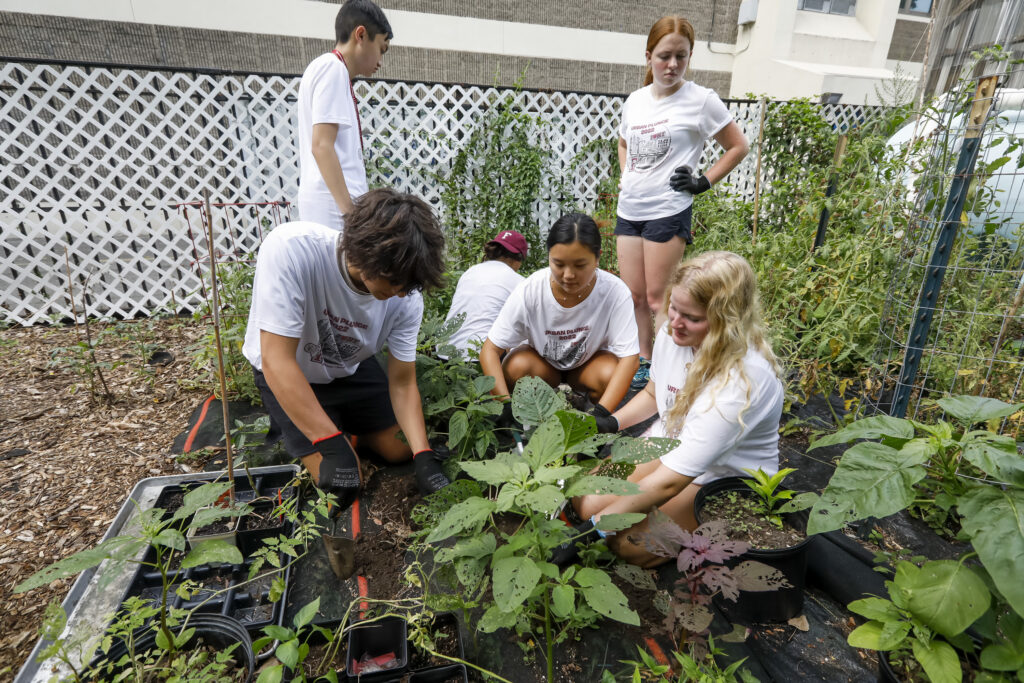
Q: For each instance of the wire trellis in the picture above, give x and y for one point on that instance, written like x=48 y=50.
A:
x=975 y=342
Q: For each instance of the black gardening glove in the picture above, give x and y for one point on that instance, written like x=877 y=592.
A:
x=606 y=423
x=339 y=470
x=682 y=180
x=429 y=475
x=584 y=533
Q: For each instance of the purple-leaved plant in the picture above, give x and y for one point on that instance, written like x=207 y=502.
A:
x=700 y=557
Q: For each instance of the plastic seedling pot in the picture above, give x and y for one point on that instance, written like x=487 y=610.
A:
x=214 y=630
x=196 y=537
x=447 y=637
x=768 y=606
x=451 y=673
x=382 y=641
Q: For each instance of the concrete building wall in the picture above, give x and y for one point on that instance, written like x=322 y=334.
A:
x=596 y=46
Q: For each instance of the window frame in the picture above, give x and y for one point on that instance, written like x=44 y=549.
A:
x=828 y=8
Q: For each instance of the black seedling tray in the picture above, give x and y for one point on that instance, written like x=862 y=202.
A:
x=249 y=603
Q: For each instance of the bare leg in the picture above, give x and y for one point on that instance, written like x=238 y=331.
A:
x=631 y=253
x=526 y=362
x=594 y=375
x=660 y=261
x=386 y=444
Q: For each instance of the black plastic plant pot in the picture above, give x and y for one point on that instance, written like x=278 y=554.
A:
x=754 y=607
x=213 y=630
x=447 y=637
x=451 y=673
x=377 y=650
x=885 y=672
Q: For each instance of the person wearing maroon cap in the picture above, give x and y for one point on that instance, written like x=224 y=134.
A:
x=484 y=288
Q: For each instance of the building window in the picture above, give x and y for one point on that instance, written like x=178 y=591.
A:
x=916 y=6
x=844 y=7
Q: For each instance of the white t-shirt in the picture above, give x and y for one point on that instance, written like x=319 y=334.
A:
x=299 y=291
x=660 y=136
x=713 y=443
x=480 y=294
x=568 y=337
x=325 y=96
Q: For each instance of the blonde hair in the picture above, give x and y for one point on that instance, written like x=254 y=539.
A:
x=723 y=284
x=663 y=27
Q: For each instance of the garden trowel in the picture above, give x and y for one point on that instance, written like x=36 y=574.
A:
x=341 y=550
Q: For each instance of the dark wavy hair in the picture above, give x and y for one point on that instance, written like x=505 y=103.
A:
x=396 y=237
x=363 y=13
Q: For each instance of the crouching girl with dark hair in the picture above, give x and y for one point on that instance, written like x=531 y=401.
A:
x=323 y=304
x=570 y=322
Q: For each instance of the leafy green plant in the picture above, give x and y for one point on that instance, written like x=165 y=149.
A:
x=81 y=359
x=165 y=534
x=923 y=623
x=234 y=282
x=770 y=496
x=457 y=403
x=293 y=646
x=503 y=540
x=697 y=667
x=974 y=475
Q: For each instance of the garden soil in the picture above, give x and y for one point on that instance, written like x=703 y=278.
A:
x=69 y=458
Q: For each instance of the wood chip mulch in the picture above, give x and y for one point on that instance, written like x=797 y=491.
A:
x=69 y=457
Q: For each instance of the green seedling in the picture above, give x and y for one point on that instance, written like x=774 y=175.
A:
x=770 y=496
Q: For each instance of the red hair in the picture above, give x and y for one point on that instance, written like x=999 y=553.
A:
x=663 y=27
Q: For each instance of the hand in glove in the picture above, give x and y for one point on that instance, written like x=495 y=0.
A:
x=606 y=422
x=683 y=180
x=585 y=533
x=429 y=475
x=339 y=470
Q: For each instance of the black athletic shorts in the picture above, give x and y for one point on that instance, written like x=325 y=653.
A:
x=357 y=404
x=658 y=229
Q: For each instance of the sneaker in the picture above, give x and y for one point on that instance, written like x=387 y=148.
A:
x=642 y=376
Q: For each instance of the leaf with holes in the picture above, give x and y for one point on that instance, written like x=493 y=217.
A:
x=641 y=578
x=533 y=401
x=628 y=449
x=605 y=597
x=514 y=578
x=493 y=472
x=577 y=427
x=601 y=485
x=461 y=517
x=869 y=428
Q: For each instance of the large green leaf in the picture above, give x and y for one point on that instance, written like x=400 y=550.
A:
x=483 y=384
x=493 y=472
x=872 y=480
x=514 y=578
x=544 y=499
x=306 y=614
x=470 y=572
x=208 y=515
x=201 y=496
x=563 y=600
x=475 y=547
x=211 y=552
x=939 y=660
x=971 y=409
x=546 y=445
x=494 y=618
x=576 y=426
x=618 y=522
x=458 y=427
x=944 y=594
x=605 y=597
x=533 y=401
x=601 y=485
x=877 y=609
x=642 y=449
x=994 y=521
x=549 y=475
x=118 y=547
x=463 y=516
x=869 y=428
x=878 y=635
x=996 y=456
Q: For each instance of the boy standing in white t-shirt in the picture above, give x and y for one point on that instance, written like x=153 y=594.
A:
x=331 y=169
x=323 y=304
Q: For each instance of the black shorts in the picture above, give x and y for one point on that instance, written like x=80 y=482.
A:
x=658 y=229
x=357 y=404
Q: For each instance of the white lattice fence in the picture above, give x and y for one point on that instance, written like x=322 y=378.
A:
x=97 y=161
